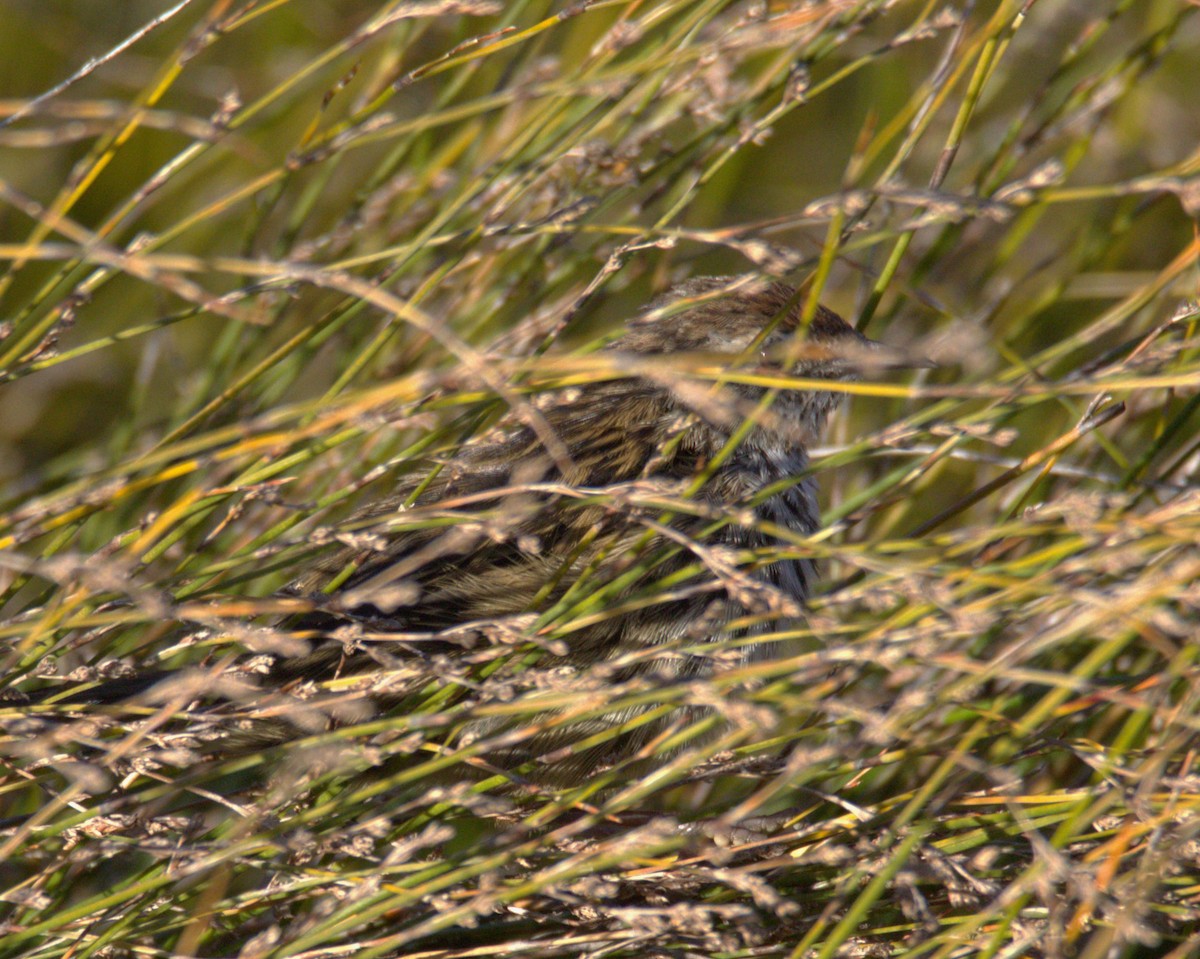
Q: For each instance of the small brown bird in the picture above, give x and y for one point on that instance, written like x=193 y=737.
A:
x=619 y=525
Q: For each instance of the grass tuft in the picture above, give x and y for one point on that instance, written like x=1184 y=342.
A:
x=260 y=261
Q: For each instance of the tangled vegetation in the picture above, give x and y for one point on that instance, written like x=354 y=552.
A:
x=259 y=260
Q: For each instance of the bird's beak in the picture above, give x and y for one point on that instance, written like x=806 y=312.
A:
x=875 y=356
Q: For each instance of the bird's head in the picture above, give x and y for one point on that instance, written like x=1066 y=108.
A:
x=755 y=326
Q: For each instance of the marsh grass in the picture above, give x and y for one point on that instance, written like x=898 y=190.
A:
x=265 y=258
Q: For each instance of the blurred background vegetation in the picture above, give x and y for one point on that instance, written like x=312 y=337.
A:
x=256 y=256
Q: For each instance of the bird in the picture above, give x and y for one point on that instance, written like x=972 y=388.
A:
x=640 y=529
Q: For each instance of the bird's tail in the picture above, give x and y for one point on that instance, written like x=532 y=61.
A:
x=97 y=692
